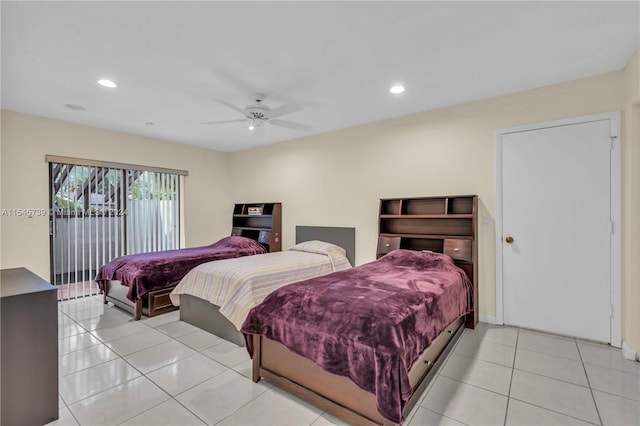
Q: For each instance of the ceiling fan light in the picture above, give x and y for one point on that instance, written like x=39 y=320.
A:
x=107 y=83
x=396 y=89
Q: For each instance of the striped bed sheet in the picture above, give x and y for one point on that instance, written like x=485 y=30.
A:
x=238 y=285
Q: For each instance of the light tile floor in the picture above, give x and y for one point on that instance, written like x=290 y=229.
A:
x=161 y=371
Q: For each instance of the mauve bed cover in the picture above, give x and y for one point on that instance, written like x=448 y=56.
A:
x=369 y=323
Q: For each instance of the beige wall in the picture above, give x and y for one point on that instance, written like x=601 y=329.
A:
x=25 y=140
x=337 y=179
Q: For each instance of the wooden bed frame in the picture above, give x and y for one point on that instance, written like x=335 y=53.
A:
x=339 y=395
x=153 y=303
x=207 y=316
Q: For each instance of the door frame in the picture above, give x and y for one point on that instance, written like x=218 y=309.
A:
x=616 y=217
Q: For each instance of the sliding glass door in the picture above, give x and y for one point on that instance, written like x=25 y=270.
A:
x=100 y=212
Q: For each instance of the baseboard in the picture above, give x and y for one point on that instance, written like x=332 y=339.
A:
x=488 y=319
x=629 y=353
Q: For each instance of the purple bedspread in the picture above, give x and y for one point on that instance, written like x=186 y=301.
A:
x=369 y=323
x=145 y=272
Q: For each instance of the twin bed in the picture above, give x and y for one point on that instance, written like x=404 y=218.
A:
x=141 y=283
x=362 y=342
x=218 y=296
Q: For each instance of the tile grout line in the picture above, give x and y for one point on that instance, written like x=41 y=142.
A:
x=246 y=403
x=483 y=360
x=510 y=397
x=555 y=378
x=552 y=378
x=553 y=411
x=513 y=368
x=150 y=408
x=593 y=397
x=197 y=352
x=546 y=353
x=68 y=409
x=440 y=368
x=540 y=375
x=119 y=356
x=430 y=387
x=142 y=374
x=191 y=387
x=474 y=386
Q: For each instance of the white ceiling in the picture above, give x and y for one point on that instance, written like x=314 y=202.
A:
x=336 y=59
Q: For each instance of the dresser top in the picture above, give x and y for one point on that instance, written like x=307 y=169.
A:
x=17 y=281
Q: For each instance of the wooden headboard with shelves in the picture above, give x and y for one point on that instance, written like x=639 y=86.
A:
x=446 y=224
x=259 y=221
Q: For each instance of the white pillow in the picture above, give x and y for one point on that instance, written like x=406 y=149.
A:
x=320 y=247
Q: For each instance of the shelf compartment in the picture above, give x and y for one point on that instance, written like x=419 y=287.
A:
x=422 y=226
x=429 y=236
x=388 y=243
x=460 y=205
x=243 y=209
x=424 y=206
x=426 y=216
x=390 y=207
x=434 y=245
x=252 y=221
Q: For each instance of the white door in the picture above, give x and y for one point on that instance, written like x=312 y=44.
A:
x=556 y=192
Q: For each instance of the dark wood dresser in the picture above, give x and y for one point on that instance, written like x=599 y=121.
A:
x=29 y=349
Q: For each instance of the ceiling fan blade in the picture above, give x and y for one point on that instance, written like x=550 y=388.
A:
x=289 y=124
x=227 y=104
x=282 y=110
x=225 y=121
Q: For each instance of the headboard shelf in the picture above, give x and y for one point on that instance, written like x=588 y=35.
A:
x=259 y=221
x=428 y=236
x=446 y=224
x=447 y=205
x=251 y=209
x=427 y=216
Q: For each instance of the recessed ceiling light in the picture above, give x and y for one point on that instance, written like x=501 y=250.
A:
x=75 y=107
x=398 y=88
x=107 y=83
x=252 y=127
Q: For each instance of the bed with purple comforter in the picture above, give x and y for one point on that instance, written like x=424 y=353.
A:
x=369 y=323
x=145 y=272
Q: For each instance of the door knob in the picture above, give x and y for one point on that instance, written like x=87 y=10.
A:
x=509 y=240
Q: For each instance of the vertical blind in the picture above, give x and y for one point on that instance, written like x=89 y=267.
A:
x=100 y=211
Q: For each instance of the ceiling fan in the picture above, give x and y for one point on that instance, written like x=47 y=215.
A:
x=259 y=113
